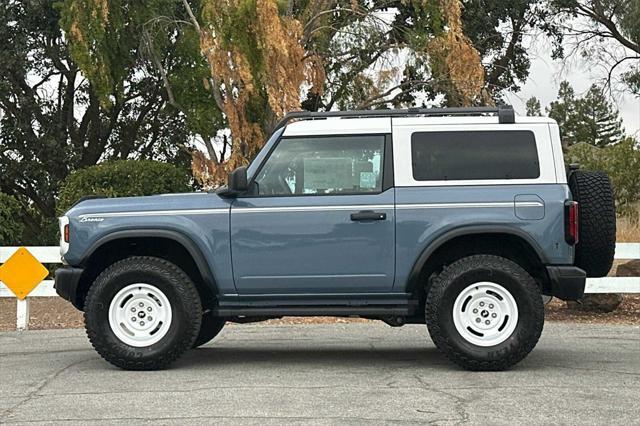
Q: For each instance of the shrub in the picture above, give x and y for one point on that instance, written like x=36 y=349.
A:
x=11 y=227
x=123 y=178
x=622 y=163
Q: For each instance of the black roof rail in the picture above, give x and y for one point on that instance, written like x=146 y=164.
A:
x=505 y=113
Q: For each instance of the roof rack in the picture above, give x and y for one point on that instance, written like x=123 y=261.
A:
x=505 y=113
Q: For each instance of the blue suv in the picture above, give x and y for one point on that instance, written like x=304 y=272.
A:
x=459 y=218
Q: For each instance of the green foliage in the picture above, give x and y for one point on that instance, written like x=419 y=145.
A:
x=598 y=121
x=564 y=112
x=51 y=118
x=533 y=107
x=123 y=179
x=11 y=227
x=621 y=162
x=591 y=119
x=497 y=29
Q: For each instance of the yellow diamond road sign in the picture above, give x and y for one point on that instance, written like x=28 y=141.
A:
x=22 y=272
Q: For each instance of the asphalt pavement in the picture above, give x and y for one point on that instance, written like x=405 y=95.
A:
x=355 y=373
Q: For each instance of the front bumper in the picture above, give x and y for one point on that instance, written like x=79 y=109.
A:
x=66 y=284
x=567 y=282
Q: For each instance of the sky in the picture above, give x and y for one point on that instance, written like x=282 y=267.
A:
x=545 y=77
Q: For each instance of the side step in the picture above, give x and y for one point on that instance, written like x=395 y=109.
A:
x=313 y=311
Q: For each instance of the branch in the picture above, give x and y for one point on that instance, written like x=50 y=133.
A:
x=613 y=67
x=374 y=100
x=148 y=42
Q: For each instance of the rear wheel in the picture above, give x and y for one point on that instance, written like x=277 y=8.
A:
x=142 y=313
x=484 y=312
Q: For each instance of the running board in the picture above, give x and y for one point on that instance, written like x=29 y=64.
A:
x=314 y=311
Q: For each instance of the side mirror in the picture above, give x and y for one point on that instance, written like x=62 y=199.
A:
x=237 y=183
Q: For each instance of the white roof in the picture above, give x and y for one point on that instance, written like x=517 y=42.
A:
x=383 y=124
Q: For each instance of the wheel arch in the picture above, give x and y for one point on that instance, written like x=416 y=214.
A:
x=479 y=237
x=166 y=244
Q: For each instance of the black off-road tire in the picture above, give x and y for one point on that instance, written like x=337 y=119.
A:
x=596 y=222
x=210 y=328
x=176 y=286
x=458 y=276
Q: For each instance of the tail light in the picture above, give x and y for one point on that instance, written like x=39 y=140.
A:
x=66 y=233
x=571 y=229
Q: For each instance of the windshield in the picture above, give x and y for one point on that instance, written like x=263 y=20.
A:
x=253 y=167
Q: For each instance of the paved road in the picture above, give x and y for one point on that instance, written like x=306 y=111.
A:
x=355 y=373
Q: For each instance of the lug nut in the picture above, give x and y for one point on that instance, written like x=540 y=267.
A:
x=494 y=315
x=490 y=306
x=475 y=311
x=141 y=304
x=133 y=309
x=481 y=303
x=477 y=319
x=487 y=322
x=149 y=309
x=141 y=323
x=133 y=319
x=149 y=319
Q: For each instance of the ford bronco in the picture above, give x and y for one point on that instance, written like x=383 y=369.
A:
x=459 y=218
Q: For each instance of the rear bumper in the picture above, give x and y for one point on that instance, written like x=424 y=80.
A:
x=567 y=282
x=66 y=284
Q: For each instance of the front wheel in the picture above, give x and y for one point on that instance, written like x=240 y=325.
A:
x=484 y=312
x=142 y=313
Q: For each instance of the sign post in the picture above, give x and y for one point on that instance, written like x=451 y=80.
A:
x=21 y=273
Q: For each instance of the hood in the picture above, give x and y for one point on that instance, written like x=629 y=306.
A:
x=164 y=202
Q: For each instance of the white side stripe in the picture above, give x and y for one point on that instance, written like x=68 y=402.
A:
x=314 y=209
x=309 y=208
x=156 y=213
x=510 y=204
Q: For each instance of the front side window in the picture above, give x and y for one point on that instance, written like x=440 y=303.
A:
x=323 y=166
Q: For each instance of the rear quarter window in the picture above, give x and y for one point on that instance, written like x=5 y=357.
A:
x=474 y=155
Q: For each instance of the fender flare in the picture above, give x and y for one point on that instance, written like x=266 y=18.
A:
x=192 y=248
x=470 y=230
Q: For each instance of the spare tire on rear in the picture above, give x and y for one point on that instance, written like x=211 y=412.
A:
x=596 y=222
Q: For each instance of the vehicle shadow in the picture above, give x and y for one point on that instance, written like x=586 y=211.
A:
x=377 y=358
x=314 y=357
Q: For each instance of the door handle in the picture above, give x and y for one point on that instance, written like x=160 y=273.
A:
x=368 y=215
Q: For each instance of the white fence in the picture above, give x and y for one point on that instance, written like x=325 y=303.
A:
x=51 y=255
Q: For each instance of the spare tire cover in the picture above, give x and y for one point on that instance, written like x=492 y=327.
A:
x=596 y=222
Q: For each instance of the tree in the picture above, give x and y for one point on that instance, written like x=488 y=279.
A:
x=533 y=107
x=10 y=226
x=320 y=54
x=123 y=178
x=564 y=112
x=53 y=120
x=591 y=119
x=597 y=121
x=605 y=32
x=498 y=29
x=621 y=162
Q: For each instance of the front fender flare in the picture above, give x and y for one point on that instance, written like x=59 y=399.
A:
x=192 y=248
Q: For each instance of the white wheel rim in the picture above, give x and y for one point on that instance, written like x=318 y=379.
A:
x=485 y=314
x=140 y=315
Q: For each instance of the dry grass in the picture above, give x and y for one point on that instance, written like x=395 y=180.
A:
x=628 y=231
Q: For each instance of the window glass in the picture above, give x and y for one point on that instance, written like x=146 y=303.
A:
x=474 y=155
x=323 y=165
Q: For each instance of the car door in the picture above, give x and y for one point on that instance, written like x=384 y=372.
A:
x=319 y=218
